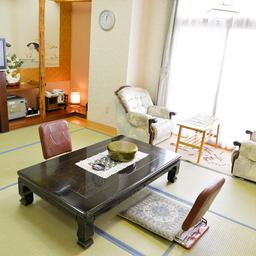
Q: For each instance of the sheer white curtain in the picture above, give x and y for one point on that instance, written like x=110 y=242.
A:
x=208 y=53
x=236 y=106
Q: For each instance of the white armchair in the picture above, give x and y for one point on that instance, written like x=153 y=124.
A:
x=138 y=118
x=244 y=158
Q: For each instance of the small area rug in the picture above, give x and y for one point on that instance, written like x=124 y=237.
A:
x=213 y=158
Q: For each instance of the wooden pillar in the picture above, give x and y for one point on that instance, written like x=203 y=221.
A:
x=42 y=58
x=4 y=122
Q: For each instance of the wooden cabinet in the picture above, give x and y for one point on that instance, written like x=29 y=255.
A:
x=53 y=104
x=4 y=123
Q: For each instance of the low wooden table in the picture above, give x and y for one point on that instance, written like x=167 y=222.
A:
x=203 y=126
x=86 y=195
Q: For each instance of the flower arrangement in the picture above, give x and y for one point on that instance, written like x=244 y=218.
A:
x=12 y=75
x=13 y=62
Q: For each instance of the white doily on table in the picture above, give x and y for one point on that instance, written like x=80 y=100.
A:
x=111 y=167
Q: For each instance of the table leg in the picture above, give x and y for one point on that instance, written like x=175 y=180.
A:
x=178 y=139
x=25 y=193
x=201 y=147
x=85 y=232
x=173 y=172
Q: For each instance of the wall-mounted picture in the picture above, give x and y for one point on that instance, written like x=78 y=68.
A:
x=25 y=41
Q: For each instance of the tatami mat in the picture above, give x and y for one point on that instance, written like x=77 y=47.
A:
x=23 y=155
x=41 y=229
x=236 y=200
x=24 y=136
x=223 y=238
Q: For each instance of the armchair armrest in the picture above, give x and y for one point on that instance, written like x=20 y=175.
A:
x=252 y=135
x=249 y=132
x=237 y=143
x=161 y=112
x=140 y=120
x=248 y=150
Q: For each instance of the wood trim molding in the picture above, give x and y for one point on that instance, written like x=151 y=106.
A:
x=42 y=58
x=68 y=1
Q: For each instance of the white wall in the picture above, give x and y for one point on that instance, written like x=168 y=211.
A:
x=80 y=47
x=130 y=53
x=148 y=31
x=108 y=59
x=135 y=71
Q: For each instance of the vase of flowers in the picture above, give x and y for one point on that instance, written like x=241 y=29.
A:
x=12 y=73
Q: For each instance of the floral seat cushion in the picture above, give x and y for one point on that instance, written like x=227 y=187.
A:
x=158 y=214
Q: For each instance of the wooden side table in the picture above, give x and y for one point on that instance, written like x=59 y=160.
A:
x=203 y=127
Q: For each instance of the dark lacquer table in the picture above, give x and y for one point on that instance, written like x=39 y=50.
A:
x=85 y=194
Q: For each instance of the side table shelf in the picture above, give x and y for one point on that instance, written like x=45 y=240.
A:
x=23 y=87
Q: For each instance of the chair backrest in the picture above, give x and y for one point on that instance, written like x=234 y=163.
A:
x=202 y=203
x=134 y=99
x=55 y=138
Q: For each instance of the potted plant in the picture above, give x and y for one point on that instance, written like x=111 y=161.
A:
x=12 y=74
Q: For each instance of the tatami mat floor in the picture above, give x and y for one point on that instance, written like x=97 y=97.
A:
x=41 y=229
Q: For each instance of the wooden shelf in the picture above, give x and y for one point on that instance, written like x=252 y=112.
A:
x=70 y=111
x=23 y=87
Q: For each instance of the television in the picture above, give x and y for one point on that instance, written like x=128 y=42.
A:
x=2 y=54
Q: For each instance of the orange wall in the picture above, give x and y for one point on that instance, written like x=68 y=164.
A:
x=73 y=72
x=80 y=49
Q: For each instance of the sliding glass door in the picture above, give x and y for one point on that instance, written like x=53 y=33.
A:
x=213 y=67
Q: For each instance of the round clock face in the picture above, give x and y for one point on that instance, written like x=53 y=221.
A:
x=107 y=20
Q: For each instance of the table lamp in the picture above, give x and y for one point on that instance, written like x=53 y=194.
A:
x=75 y=98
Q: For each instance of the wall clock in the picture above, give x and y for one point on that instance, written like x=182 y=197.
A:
x=107 y=20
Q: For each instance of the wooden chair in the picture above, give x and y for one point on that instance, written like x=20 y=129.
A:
x=55 y=138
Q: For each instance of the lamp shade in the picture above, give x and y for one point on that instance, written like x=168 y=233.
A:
x=75 y=98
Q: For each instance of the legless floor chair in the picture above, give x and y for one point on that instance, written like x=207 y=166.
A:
x=55 y=138
x=171 y=219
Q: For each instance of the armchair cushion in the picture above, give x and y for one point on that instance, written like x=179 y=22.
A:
x=135 y=99
x=253 y=136
x=162 y=129
x=248 y=150
x=139 y=119
x=245 y=168
x=244 y=158
x=158 y=111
